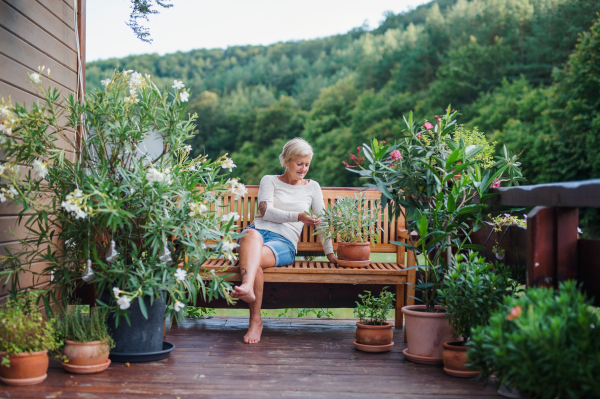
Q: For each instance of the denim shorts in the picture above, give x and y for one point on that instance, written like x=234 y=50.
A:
x=283 y=249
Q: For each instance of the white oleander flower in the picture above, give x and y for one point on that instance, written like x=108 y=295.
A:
x=184 y=96
x=124 y=302
x=178 y=84
x=2 y=195
x=116 y=292
x=229 y=216
x=180 y=274
x=16 y=168
x=178 y=306
x=2 y=168
x=135 y=80
x=187 y=148
x=106 y=82
x=40 y=168
x=35 y=78
x=132 y=100
x=237 y=189
x=153 y=175
x=80 y=214
x=12 y=191
x=228 y=164
x=77 y=193
x=228 y=246
x=197 y=209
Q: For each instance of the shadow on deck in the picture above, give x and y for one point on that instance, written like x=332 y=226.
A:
x=304 y=358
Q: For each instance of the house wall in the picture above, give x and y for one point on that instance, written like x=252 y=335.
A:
x=35 y=33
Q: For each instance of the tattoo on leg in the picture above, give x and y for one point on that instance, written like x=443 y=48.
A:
x=244 y=272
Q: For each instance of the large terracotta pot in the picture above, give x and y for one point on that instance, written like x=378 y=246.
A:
x=455 y=360
x=354 y=254
x=25 y=368
x=425 y=332
x=374 y=338
x=86 y=357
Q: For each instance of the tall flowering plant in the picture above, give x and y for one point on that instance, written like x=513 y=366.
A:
x=440 y=184
x=121 y=204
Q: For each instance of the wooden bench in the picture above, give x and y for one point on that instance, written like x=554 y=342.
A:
x=320 y=283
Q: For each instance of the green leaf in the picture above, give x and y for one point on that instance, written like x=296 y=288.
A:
x=143 y=307
x=451 y=203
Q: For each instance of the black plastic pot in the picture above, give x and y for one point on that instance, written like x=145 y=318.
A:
x=142 y=335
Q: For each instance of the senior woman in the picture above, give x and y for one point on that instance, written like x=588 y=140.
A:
x=272 y=238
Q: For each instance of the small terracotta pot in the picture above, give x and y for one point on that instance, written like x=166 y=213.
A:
x=374 y=338
x=425 y=332
x=25 y=368
x=354 y=251
x=455 y=359
x=86 y=353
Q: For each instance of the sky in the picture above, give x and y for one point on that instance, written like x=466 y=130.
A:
x=195 y=24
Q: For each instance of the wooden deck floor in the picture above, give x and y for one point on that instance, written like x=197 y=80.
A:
x=302 y=358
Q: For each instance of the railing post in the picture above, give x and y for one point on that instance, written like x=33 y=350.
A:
x=567 y=221
x=541 y=247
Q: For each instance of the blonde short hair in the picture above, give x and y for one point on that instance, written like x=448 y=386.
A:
x=295 y=148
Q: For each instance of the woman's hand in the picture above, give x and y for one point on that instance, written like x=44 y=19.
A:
x=332 y=258
x=307 y=220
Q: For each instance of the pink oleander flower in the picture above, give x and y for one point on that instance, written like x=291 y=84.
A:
x=395 y=155
x=515 y=313
x=419 y=136
x=428 y=125
x=496 y=183
x=358 y=149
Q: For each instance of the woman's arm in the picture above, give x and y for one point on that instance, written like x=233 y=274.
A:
x=318 y=204
x=266 y=191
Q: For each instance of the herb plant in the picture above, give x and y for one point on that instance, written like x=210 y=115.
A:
x=545 y=343
x=78 y=326
x=350 y=219
x=439 y=184
x=472 y=290
x=23 y=328
x=373 y=310
x=120 y=205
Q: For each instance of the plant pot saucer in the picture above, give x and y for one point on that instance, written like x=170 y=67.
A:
x=90 y=369
x=422 y=359
x=462 y=374
x=139 y=357
x=354 y=263
x=373 y=348
x=17 y=382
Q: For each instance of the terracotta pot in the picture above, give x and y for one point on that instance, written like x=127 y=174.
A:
x=425 y=333
x=25 y=368
x=455 y=360
x=86 y=353
x=374 y=338
x=354 y=251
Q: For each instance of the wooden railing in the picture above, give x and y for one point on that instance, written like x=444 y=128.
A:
x=554 y=253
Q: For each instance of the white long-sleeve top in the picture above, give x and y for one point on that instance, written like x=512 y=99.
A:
x=284 y=202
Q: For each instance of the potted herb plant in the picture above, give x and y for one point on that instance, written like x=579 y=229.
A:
x=471 y=291
x=25 y=339
x=120 y=205
x=544 y=343
x=87 y=341
x=353 y=221
x=438 y=180
x=373 y=331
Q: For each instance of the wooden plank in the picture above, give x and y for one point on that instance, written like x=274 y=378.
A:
x=303 y=268
x=411 y=260
x=60 y=10
x=576 y=194
x=567 y=222
x=46 y=20
x=330 y=278
x=20 y=26
x=588 y=268
x=26 y=278
x=31 y=59
x=541 y=247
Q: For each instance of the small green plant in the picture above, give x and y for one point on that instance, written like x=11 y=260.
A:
x=373 y=310
x=350 y=219
x=477 y=138
x=319 y=313
x=22 y=327
x=472 y=290
x=545 y=343
x=78 y=326
x=195 y=312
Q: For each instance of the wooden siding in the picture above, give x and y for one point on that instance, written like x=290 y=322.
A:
x=35 y=33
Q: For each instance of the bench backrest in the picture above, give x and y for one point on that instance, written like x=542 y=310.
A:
x=247 y=207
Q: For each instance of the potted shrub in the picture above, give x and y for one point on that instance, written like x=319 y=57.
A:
x=25 y=339
x=353 y=221
x=373 y=331
x=438 y=177
x=128 y=204
x=545 y=343
x=472 y=289
x=87 y=341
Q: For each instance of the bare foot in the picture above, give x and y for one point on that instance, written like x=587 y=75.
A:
x=244 y=292
x=254 y=332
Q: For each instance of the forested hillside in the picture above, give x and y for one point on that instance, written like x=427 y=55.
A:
x=510 y=66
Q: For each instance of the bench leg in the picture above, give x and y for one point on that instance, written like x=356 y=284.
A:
x=399 y=304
